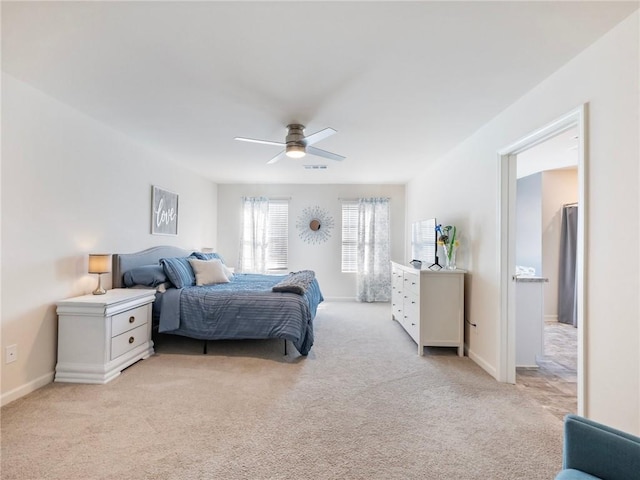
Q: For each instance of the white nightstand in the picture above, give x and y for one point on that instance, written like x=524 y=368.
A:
x=101 y=335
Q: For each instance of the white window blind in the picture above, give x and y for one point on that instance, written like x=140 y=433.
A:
x=349 y=236
x=278 y=235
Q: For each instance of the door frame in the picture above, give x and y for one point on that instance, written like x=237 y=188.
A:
x=507 y=240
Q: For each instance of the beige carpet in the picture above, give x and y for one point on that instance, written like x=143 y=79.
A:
x=362 y=405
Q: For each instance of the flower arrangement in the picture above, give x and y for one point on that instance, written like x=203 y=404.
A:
x=448 y=238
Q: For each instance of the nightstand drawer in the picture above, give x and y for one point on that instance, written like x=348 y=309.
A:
x=128 y=341
x=125 y=321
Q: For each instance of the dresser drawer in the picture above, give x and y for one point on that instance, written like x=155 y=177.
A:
x=412 y=322
x=128 y=341
x=411 y=300
x=411 y=282
x=125 y=321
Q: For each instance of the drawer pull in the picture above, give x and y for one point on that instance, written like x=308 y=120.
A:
x=131 y=339
x=132 y=319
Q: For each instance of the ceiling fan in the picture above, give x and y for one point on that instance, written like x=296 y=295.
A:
x=297 y=145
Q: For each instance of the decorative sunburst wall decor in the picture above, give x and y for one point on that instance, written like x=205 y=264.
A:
x=314 y=225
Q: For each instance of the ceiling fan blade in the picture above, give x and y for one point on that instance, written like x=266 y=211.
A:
x=264 y=142
x=279 y=156
x=324 y=153
x=321 y=135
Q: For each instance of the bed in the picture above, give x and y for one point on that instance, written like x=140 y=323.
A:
x=249 y=306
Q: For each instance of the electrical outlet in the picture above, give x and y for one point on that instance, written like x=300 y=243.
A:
x=11 y=353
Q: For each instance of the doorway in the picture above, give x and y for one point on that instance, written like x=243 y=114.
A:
x=546 y=230
x=508 y=218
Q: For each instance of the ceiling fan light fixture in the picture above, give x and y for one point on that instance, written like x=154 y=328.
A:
x=295 y=151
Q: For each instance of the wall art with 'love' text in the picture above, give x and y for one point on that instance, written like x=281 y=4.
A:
x=164 y=212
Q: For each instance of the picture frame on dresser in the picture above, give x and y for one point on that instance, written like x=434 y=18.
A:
x=164 y=211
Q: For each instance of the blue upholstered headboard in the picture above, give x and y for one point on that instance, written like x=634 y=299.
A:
x=126 y=261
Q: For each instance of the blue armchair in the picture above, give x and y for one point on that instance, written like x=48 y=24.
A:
x=595 y=451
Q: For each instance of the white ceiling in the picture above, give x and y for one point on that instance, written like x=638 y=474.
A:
x=402 y=83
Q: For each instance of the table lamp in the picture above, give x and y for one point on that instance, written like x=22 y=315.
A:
x=99 y=263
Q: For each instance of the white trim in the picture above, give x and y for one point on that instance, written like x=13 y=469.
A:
x=551 y=130
x=506 y=245
x=486 y=366
x=506 y=259
x=25 y=389
x=343 y=299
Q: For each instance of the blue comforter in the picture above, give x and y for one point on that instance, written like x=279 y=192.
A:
x=245 y=308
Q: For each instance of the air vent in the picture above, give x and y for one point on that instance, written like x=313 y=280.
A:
x=315 y=167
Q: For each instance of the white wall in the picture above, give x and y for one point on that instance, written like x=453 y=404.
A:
x=323 y=258
x=606 y=76
x=71 y=186
x=559 y=187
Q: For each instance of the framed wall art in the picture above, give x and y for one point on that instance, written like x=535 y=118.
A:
x=314 y=225
x=164 y=212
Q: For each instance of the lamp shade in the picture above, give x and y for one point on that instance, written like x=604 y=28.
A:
x=99 y=263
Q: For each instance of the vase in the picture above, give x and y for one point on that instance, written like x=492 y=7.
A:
x=449 y=257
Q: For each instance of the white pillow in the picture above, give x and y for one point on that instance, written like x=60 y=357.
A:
x=208 y=272
x=227 y=271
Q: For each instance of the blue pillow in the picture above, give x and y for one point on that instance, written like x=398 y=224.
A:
x=179 y=271
x=207 y=256
x=147 y=275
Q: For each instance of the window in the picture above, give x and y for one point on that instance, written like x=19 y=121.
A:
x=278 y=235
x=349 y=236
x=264 y=238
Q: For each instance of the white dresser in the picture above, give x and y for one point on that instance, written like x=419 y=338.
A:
x=429 y=305
x=101 y=335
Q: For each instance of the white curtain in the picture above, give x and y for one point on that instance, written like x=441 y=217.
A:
x=253 y=238
x=373 y=255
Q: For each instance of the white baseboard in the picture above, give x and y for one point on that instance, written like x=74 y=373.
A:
x=551 y=318
x=340 y=299
x=25 y=389
x=486 y=366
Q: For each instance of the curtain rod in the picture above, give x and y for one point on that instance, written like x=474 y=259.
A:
x=574 y=204
x=265 y=196
x=358 y=199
